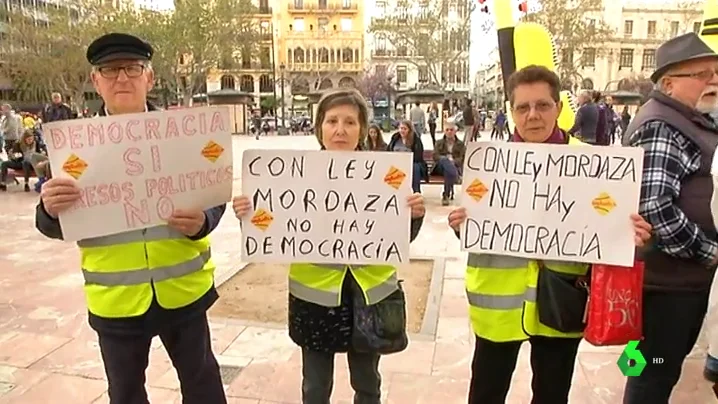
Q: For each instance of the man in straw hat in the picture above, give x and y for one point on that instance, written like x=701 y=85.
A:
x=680 y=140
x=143 y=283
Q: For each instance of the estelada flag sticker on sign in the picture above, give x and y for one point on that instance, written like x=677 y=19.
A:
x=394 y=177
x=477 y=190
x=603 y=204
x=262 y=219
x=212 y=151
x=74 y=166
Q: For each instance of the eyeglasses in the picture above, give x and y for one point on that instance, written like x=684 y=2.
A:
x=113 y=72
x=540 y=107
x=704 y=75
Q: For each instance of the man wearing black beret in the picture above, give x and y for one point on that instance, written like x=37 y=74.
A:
x=143 y=283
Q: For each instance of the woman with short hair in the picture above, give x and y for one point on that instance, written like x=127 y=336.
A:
x=320 y=328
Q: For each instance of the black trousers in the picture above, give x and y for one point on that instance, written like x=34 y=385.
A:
x=552 y=363
x=318 y=377
x=671 y=324
x=188 y=345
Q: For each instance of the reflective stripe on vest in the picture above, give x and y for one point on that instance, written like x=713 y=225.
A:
x=501 y=302
x=332 y=298
x=144 y=235
x=146 y=275
x=138 y=276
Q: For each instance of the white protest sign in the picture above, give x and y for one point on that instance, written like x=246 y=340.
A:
x=558 y=202
x=326 y=207
x=134 y=170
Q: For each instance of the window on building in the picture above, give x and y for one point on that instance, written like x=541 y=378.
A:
x=423 y=74
x=323 y=23
x=401 y=74
x=625 y=60
x=380 y=70
x=401 y=51
x=589 y=57
x=298 y=24
x=346 y=24
x=675 y=25
x=299 y=4
x=651 y=29
x=697 y=27
x=323 y=4
x=567 y=56
x=347 y=4
x=649 y=59
x=380 y=10
x=628 y=28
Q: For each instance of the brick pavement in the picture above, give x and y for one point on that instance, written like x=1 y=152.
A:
x=48 y=354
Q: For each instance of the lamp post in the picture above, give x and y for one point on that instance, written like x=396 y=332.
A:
x=281 y=71
x=268 y=26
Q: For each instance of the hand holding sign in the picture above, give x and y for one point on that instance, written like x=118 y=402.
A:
x=416 y=204
x=241 y=206
x=457 y=218
x=58 y=195
x=187 y=222
x=643 y=230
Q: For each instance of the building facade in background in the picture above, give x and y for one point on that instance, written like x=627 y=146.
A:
x=628 y=58
x=308 y=45
x=409 y=70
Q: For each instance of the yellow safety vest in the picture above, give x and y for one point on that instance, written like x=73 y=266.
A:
x=124 y=271
x=322 y=283
x=502 y=294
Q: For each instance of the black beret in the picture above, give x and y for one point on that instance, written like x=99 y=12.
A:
x=116 y=46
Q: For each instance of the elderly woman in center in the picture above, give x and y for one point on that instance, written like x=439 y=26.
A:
x=503 y=308
x=323 y=329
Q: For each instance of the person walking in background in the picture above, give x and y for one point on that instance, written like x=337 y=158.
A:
x=57 y=110
x=468 y=114
x=603 y=122
x=433 y=112
x=497 y=132
x=586 y=122
x=418 y=119
x=679 y=143
x=625 y=119
x=12 y=128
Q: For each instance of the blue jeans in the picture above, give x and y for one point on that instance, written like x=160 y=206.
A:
x=416 y=177
x=448 y=169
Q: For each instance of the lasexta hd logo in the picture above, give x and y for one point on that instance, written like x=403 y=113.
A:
x=631 y=361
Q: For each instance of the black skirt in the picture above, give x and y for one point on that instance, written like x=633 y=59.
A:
x=320 y=328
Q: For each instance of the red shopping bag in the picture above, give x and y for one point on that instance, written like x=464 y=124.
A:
x=615 y=305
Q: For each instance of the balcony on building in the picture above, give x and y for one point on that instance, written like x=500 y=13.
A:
x=325 y=35
x=323 y=6
x=324 y=59
x=264 y=10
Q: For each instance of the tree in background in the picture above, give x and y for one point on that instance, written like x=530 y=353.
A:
x=431 y=35
x=45 y=49
x=376 y=83
x=579 y=37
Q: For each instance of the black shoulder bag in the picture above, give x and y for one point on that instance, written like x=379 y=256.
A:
x=380 y=327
